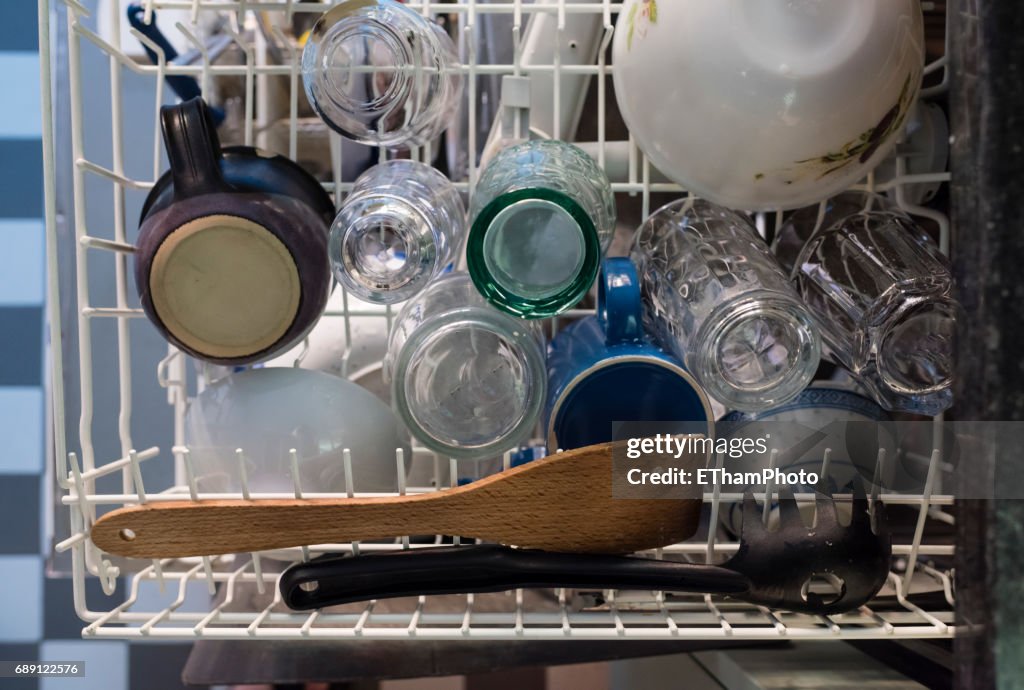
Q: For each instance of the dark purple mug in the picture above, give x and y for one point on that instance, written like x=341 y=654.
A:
x=231 y=261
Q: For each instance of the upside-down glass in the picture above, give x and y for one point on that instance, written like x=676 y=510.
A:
x=401 y=226
x=543 y=215
x=382 y=74
x=716 y=297
x=801 y=225
x=881 y=293
x=468 y=380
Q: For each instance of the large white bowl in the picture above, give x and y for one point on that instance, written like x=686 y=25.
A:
x=767 y=104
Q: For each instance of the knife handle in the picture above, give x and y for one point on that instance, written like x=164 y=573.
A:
x=334 y=580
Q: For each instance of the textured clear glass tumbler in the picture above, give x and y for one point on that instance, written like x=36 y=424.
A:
x=716 y=297
x=543 y=215
x=801 y=225
x=381 y=74
x=881 y=293
x=469 y=381
x=401 y=226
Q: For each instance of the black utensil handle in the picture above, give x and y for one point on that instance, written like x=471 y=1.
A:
x=185 y=87
x=136 y=19
x=336 y=580
x=192 y=148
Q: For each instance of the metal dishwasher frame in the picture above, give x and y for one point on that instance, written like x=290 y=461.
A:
x=647 y=616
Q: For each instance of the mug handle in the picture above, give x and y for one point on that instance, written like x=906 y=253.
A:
x=193 y=149
x=618 y=301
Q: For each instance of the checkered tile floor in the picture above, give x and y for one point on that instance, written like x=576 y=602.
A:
x=37 y=619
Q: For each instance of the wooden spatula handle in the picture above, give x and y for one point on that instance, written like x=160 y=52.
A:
x=185 y=528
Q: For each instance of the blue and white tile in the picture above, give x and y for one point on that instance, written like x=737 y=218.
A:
x=20 y=117
x=21 y=599
x=21 y=514
x=60 y=622
x=21 y=424
x=23 y=653
x=21 y=346
x=19 y=31
x=22 y=262
x=106 y=664
x=21 y=177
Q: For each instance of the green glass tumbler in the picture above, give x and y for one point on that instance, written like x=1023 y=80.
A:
x=543 y=217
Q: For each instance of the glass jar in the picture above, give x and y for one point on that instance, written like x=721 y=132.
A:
x=401 y=226
x=543 y=215
x=468 y=380
x=716 y=297
x=381 y=74
x=881 y=293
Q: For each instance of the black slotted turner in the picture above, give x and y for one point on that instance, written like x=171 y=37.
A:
x=774 y=568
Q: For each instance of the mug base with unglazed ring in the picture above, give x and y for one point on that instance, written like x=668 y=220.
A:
x=225 y=286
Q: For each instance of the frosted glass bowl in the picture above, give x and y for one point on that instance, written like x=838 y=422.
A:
x=269 y=411
x=773 y=104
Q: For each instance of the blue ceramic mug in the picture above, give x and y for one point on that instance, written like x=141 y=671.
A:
x=603 y=369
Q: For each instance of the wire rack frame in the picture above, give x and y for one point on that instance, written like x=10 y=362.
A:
x=619 y=615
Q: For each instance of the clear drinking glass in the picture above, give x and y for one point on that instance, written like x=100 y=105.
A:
x=382 y=74
x=881 y=293
x=543 y=215
x=401 y=226
x=468 y=380
x=801 y=225
x=716 y=297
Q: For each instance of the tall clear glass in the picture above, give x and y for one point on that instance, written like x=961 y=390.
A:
x=881 y=293
x=716 y=297
x=803 y=224
x=543 y=215
x=401 y=226
x=468 y=380
x=381 y=74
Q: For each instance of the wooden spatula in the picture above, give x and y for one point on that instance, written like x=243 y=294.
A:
x=560 y=503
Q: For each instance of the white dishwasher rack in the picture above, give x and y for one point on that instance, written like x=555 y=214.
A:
x=248 y=605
